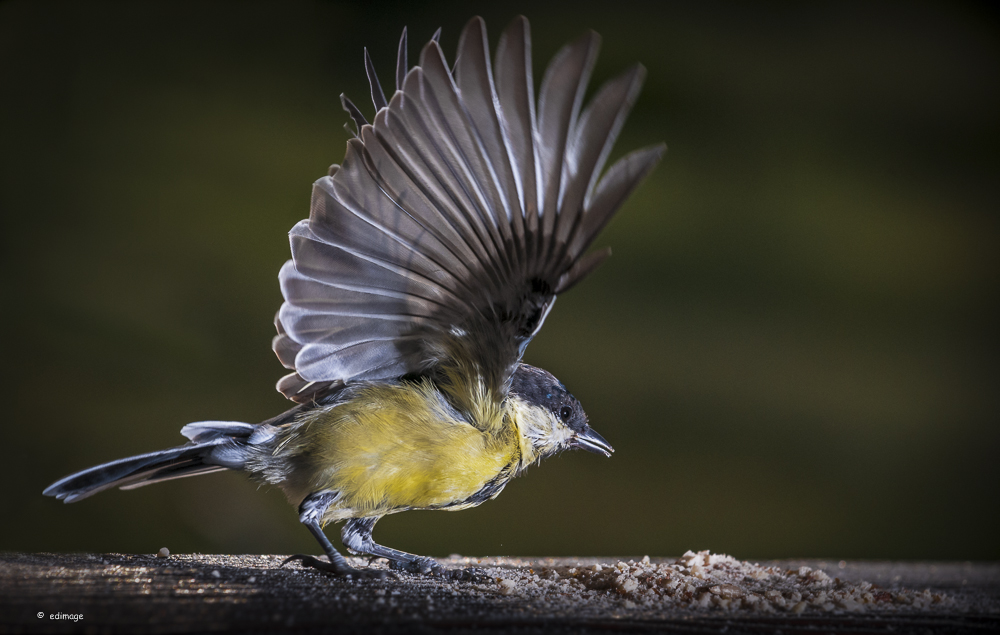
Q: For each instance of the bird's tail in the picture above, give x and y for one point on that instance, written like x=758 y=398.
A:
x=214 y=446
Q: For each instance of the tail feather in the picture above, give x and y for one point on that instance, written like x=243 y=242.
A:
x=174 y=471
x=203 y=431
x=215 y=446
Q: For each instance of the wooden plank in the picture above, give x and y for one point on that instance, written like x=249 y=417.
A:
x=114 y=593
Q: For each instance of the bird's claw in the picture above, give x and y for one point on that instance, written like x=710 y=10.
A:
x=342 y=571
x=422 y=566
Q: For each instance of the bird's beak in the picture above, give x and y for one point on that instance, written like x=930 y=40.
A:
x=591 y=442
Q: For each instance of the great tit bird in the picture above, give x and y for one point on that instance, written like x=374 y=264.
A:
x=430 y=258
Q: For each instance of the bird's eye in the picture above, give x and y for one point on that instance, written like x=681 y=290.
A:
x=565 y=413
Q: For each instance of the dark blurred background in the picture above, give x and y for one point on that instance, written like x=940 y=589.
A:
x=793 y=349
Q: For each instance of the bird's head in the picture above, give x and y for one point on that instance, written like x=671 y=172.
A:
x=549 y=418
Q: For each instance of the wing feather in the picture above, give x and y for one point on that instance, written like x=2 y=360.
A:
x=442 y=108
x=516 y=103
x=401 y=62
x=432 y=167
x=352 y=212
x=559 y=101
x=612 y=191
x=283 y=345
x=589 y=145
x=474 y=78
x=389 y=159
x=439 y=244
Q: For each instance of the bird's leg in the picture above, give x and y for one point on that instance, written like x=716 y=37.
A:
x=357 y=537
x=310 y=512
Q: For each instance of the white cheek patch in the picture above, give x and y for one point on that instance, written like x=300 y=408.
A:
x=543 y=430
x=560 y=435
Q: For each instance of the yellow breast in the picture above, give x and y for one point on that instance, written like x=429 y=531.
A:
x=395 y=447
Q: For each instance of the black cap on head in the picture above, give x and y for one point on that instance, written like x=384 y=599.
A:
x=540 y=388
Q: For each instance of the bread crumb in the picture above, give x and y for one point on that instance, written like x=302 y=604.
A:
x=705 y=581
x=507 y=586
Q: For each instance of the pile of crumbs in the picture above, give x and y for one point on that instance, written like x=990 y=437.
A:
x=709 y=581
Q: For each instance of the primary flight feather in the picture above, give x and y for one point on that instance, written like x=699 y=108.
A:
x=431 y=256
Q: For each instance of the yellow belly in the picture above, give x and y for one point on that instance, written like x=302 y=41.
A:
x=392 y=448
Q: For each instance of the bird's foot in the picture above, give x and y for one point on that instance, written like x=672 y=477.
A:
x=339 y=570
x=429 y=567
x=422 y=566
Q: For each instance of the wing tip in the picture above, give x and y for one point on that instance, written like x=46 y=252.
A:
x=657 y=150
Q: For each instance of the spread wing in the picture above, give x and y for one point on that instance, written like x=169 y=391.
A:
x=456 y=217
